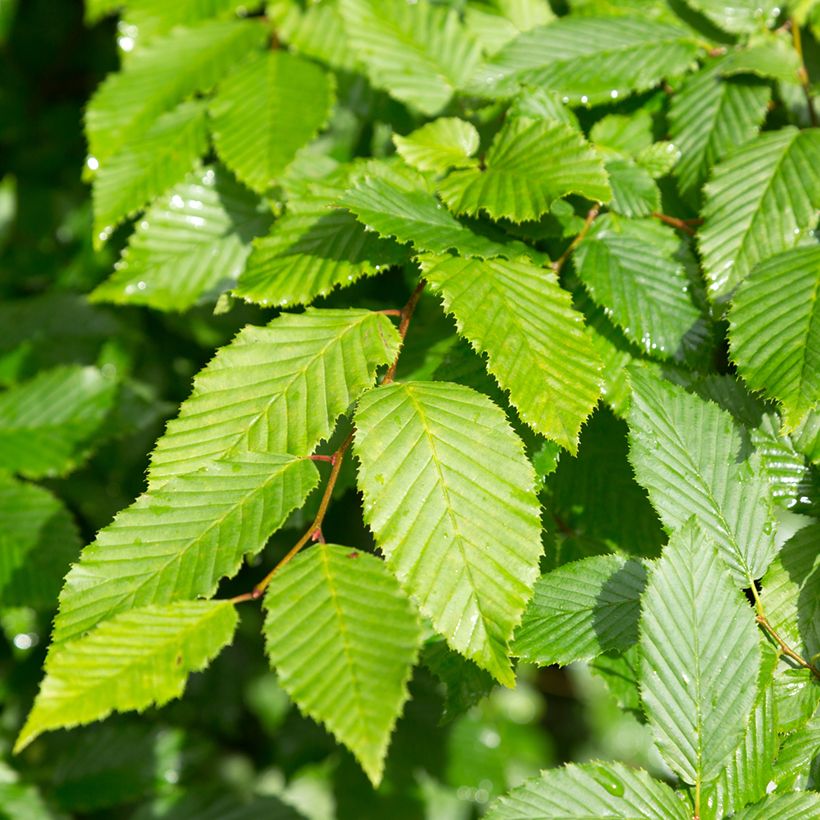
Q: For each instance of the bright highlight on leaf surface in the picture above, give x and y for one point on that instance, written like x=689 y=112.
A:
x=693 y=621
x=343 y=640
x=449 y=496
x=528 y=166
x=540 y=355
x=775 y=331
x=190 y=242
x=140 y=658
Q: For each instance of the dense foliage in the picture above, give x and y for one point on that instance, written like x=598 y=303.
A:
x=510 y=308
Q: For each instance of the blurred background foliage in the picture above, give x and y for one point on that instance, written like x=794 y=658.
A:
x=235 y=747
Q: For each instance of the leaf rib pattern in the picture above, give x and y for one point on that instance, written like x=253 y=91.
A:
x=276 y=389
x=689 y=455
x=694 y=620
x=518 y=315
x=590 y=790
x=581 y=610
x=709 y=117
x=774 y=331
x=449 y=497
x=137 y=659
x=587 y=59
x=758 y=202
x=343 y=639
x=178 y=542
x=529 y=165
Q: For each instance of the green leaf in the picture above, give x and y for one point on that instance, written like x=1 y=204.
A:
x=606 y=504
x=449 y=496
x=416 y=216
x=313 y=29
x=798 y=750
x=152 y=18
x=575 y=792
x=659 y=158
x=625 y=135
x=48 y=424
x=757 y=203
x=692 y=458
x=635 y=270
x=791 y=591
x=749 y=772
x=581 y=610
x=343 y=640
x=418 y=52
x=634 y=192
x=38 y=542
x=314 y=248
x=139 y=658
x=264 y=112
x=775 y=58
x=190 y=243
x=465 y=683
x=794 y=806
x=774 y=331
x=439 y=145
x=739 y=16
x=179 y=541
x=541 y=356
x=158 y=77
x=589 y=59
x=709 y=117
x=692 y=617
x=538 y=104
x=495 y=22
x=147 y=166
x=529 y=165
x=279 y=388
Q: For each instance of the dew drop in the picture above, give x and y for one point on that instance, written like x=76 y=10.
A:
x=93 y=163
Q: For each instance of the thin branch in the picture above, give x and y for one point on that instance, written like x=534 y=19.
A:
x=406 y=314
x=562 y=259
x=802 y=74
x=314 y=531
x=684 y=225
x=785 y=649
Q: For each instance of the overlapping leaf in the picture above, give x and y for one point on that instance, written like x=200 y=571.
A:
x=264 y=112
x=534 y=340
x=739 y=15
x=589 y=59
x=709 y=117
x=634 y=192
x=148 y=166
x=758 y=202
x=416 y=216
x=774 y=331
x=140 y=658
x=314 y=248
x=276 y=389
x=693 y=460
x=449 y=496
x=343 y=639
x=192 y=242
x=445 y=143
x=529 y=165
x=38 y=542
x=418 y=52
x=692 y=618
x=178 y=542
x=152 y=18
x=635 y=270
x=581 y=610
x=48 y=424
x=495 y=22
x=156 y=78
x=795 y=806
x=575 y=792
